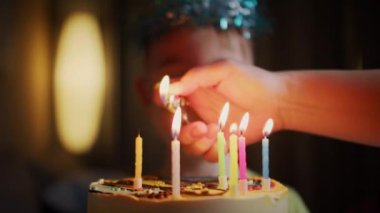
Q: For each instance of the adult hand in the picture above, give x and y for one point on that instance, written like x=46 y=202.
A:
x=247 y=88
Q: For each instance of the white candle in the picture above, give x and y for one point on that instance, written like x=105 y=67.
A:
x=176 y=179
x=265 y=152
x=175 y=148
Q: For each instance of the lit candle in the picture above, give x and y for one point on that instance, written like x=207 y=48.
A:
x=175 y=145
x=233 y=159
x=171 y=102
x=138 y=162
x=242 y=154
x=221 y=142
x=265 y=152
x=164 y=89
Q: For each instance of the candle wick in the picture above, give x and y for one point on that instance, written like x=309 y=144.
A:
x=175 y=135
x=163 y=99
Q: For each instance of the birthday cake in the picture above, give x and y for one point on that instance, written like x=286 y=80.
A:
x=197 y=195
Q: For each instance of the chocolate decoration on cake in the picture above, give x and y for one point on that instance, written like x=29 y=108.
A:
x=198 y=194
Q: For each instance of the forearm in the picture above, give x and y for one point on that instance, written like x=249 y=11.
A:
x=340 y=104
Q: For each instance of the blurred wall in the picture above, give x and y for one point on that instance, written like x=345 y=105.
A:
x=24 y=100
x=25 y=66
x=32 y=159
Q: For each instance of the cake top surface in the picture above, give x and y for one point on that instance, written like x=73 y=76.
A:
x=192 y=188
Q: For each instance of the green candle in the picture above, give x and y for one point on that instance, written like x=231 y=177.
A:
x=221 y=157
x=221 y=143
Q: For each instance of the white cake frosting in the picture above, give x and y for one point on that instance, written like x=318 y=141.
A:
x=197 y=195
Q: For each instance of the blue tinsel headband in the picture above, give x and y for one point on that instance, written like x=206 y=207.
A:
x=223 y=14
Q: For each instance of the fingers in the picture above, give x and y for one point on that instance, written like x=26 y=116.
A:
x=211 y=154
x=199 y=140
x=193 y=132
x=204 y=76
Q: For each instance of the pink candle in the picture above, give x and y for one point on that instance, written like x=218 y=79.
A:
x=242 y=159
x=242 y=145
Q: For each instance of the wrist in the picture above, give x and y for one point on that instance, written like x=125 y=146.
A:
x=283 y=98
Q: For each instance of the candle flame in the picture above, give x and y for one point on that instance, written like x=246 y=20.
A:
x=244 y=123
x=233 y=128
x=223 y=115
x=164 y=88
x=268 y=127
x=176 y=125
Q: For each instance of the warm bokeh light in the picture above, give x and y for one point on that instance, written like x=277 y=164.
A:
x=223 y=115
x=176 y=125
x=268 y=127
x=244 y=123
x=164 y=88
x=79 y=82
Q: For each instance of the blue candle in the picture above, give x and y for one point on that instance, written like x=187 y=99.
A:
x=265 y=150
x=265 y=147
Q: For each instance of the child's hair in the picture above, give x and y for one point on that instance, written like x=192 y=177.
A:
x=161 y=16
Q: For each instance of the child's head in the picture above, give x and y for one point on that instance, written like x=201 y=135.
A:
x=180 y=46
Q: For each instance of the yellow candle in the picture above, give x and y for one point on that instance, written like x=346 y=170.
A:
x=138 y=163
x=233 y=155
x=138 y=156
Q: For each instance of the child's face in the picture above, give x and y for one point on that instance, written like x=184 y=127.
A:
x=180 y=50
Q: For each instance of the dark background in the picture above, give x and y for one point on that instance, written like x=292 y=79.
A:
x=38 y=175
